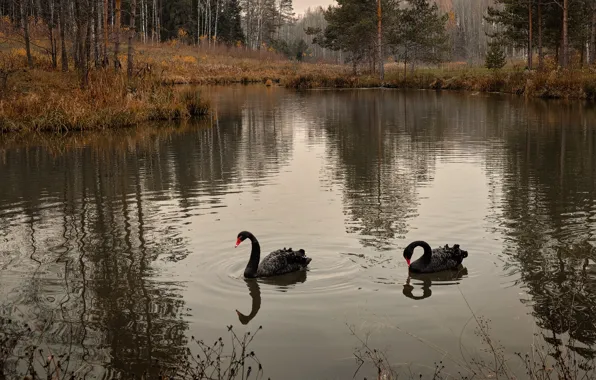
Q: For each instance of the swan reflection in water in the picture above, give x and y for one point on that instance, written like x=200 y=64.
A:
x=428 y=279
x=282 y=283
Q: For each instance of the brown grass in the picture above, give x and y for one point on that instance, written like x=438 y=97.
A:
x=52 y=101
x=555 y=83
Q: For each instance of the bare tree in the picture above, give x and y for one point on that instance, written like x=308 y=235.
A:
x=530 y=36
x=593 y=34
x=540 y=51
x=117 y=64
x=565 y=33
x=131 y=35
x=105 y=33
x=379 y=41
x=24 y=7
x=64 y=56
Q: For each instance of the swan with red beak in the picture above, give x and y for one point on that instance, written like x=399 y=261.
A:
x=276 y=263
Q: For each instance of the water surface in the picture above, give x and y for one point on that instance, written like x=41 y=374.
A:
x=118 y=247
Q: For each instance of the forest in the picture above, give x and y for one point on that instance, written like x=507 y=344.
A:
x=132 y=45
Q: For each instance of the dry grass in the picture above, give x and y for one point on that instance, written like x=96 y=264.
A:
x=23 y=357
x=219 y=64
x=52 y=101
x=554 y=84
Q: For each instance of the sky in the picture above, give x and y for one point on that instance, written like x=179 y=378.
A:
x=301 y=5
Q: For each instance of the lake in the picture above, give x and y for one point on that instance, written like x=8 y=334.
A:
x=117 y=247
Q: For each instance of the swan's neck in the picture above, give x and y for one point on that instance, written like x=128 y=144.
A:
x=253 y=262
x=428 y=252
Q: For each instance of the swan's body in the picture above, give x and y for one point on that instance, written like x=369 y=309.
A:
x=276 y=263
x=434 y=260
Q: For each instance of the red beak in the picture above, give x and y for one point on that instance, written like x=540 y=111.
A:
x=238 y=241
x=408 y=261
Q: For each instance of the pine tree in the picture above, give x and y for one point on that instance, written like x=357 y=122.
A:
x=420 y=34
x=285 y=14
x=300 y=49
x=495 y=58
x=230 y=30
x=351 y=27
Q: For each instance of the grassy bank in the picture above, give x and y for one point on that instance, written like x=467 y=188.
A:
x=554 y=83
x=52 y=101
x=176 y=64
x=42 y=98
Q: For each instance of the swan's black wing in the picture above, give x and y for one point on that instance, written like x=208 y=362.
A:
x=283 y=261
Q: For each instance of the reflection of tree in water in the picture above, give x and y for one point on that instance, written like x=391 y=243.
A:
x=548 y=188
x=383 y=145
x=374 y=158
x=256 y=131
x=84 y=225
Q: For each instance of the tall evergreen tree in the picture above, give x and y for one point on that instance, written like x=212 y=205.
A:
x=420 y=34
x=351 y=28
x=285 y=15
x=231 y=23
x=515 y=21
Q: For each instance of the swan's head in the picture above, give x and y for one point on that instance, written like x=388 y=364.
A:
x=408 y=252
x=241 y=237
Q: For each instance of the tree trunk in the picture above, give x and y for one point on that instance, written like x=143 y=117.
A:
x=78 y=43
x=131 y=35
x=158 y=23
x=530 y=50
x=540 y=52
x=25 y=21
x=142 y=7
x=106 y=60
x=38 y=10
x=82 y=40
x=95 y=11
x=64 y=56
x=216 y=14
x=51 y=27
x=405 y=68
x=198 y=22
x=88 y=17
x=154 y=23
x=565 y=36
x=209 y=20
x=76 y=48
x=117 y=64
x=379 y=42
x=593 y=36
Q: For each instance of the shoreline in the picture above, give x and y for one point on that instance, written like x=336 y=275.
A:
x=39 y=100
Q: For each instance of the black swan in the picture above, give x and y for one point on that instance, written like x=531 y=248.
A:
x=434 y=260
x=276 y=263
